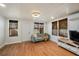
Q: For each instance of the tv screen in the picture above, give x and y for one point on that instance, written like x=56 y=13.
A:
x=74 y=35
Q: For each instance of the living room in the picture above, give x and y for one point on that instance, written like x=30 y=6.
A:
x=39 y=26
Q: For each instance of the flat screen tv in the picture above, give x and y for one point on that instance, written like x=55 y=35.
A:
x=74 y=35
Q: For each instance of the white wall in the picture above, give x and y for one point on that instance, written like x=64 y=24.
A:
x=45 y=27
x=2 y=31
x=74 y=24
x=25 y=29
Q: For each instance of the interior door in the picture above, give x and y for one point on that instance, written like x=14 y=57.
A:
x=25 y=31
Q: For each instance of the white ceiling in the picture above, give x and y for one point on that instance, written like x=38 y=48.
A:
x=24 y=10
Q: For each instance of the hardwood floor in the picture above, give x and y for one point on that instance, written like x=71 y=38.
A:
x=34 y=49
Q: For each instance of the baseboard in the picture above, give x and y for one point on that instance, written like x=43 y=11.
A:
x=15 y=42
x=54 y=41
x=12 y=43
x=2 y=46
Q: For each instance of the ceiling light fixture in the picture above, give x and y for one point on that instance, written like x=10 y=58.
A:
x=52 y=17
x=35 y=14
x=2 y=5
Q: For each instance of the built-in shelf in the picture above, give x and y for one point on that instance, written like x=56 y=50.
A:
x=69 y=45
x=67 y=41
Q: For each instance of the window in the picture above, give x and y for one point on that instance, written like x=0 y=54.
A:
x=60 y=27
x=39 y=27
x=54 y=28
x=63 y=27
x=13 y=28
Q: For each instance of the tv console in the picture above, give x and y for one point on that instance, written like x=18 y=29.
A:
x=69 y=45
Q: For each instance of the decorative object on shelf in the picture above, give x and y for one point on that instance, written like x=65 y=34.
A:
x=13 y=28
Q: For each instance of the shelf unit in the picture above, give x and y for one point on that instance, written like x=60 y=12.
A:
x=69 y=45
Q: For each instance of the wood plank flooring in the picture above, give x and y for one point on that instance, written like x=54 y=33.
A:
x=34 y=49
